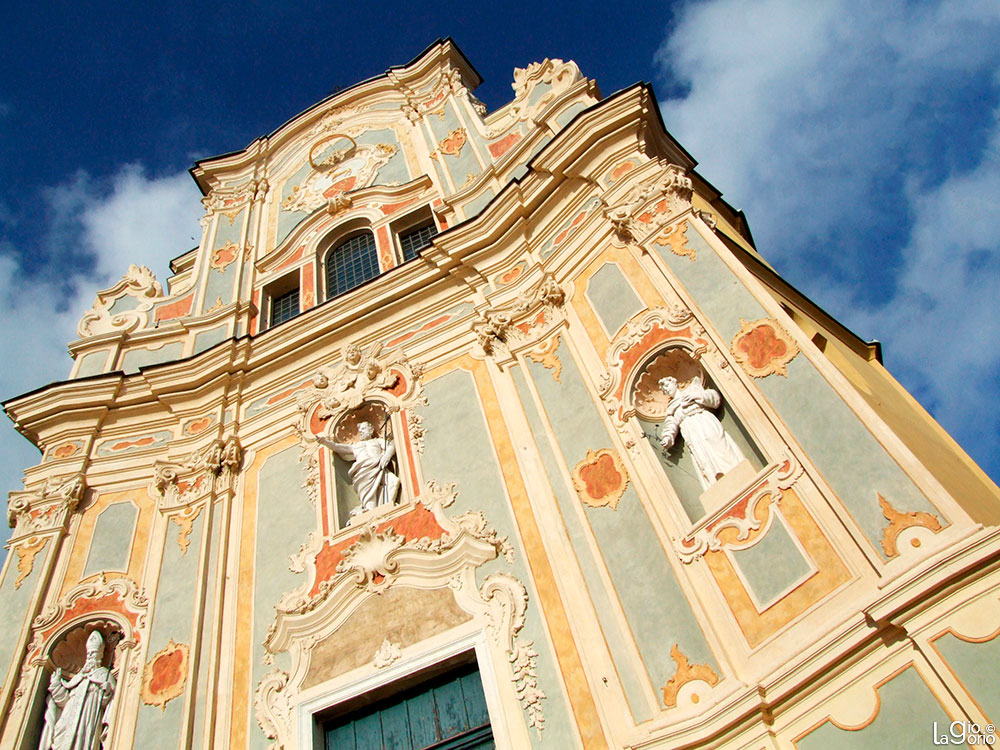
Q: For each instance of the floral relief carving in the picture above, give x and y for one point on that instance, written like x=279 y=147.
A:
x=763 y=348
x=272 y=707
x=686 y=672
x=26 y=552
x=386 y=655
x=339 y=172
x=899 y=522
x=369 y=561
x=165 y=675
x=600 y=479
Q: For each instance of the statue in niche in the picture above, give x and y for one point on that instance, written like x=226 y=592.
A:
x=76 y=708
x=689 y=413
x=370 y=475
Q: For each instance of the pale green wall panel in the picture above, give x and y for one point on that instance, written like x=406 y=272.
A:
x=211 y=337
x=846 y=453
x=612 y=297
x=205 y=668
x=632 y=682
x=14 y=602
x=457 y=448
x=136 y=358
x=172 y=619
x=655 y=606
x=112 y=539
x=905 y=720
x=773 y=564
x=285 y=516
x=92 y=364
x=975 y=665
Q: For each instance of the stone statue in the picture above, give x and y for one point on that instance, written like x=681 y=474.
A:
x=76 y=708
x=369 y=472
x=690 y=413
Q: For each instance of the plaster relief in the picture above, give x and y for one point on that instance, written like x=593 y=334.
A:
x=678 y=690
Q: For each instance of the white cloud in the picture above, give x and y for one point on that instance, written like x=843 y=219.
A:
x=129 y=218
x=856 y=137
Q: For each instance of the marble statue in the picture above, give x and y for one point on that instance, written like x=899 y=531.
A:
x=690 y=413
x=369 y=472
x=76 y=708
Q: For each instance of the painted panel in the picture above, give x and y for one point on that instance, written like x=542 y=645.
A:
x=473 y=207
x=655 y=606
x=631 y=680
x=572 y=111
x=172 y=620
x=207 y=339
x=396 y=171
x=205 y=667
x=773 y=565
x=284 y=519
x=16 y=591
x=846 y=453
x=111 y=541
x=612 y=297
x=906 y=712
x=136 y=358
x=92 y=363
x=132 y=444
x=457 y=448
x=975 y=665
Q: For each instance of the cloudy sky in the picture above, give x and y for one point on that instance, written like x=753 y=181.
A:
x=862 y=140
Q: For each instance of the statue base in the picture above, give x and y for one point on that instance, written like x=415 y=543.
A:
x=728 y=486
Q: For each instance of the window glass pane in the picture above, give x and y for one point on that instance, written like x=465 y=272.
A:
x=284 y=307
x=351 y=264
x=415 y=240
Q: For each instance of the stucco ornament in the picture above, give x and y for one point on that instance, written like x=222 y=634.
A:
x=45 y=509
x=763 y=347
x=651 y=203
x=123 y=307
x=497 y=329
x=337 y=168
x=370 y=474
x=556 y=75
x=76 y=707
x=689 y=413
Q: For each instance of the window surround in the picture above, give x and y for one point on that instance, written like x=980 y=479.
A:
x=407 y=223
x=311 y=714
x=334 y=240
x=274 y=291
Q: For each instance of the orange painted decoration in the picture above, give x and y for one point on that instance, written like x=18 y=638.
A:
x=391 y=208
x=175 y=309
x=425 y=327
x=762 y=346
x=601 y=478
x=296 y=256
x=501 y=147
x=166 y=669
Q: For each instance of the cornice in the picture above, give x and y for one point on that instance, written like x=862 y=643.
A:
x=52 y=406
x=440 y=54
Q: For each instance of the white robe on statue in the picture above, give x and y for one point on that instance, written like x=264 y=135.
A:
x=713 y=450
x=74 y=710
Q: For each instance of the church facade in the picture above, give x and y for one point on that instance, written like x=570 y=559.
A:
x=462 y=428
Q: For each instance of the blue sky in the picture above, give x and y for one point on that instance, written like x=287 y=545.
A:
x=863 y=143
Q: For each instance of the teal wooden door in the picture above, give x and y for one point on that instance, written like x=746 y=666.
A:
x=447 y=713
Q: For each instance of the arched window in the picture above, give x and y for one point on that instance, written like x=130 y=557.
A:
x=351 y=263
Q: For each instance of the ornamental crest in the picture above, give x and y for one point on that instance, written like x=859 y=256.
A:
x=339 y=164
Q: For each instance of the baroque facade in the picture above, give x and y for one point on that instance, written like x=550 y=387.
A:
x=460 y=425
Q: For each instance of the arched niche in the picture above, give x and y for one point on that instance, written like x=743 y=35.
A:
x=650 y=405
x=66 y=651
x=346 y=430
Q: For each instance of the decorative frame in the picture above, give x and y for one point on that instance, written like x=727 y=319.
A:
x=763 y=347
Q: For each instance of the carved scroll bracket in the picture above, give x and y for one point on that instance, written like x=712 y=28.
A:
x=650 y=205
x=45 y=509
x=740 y=521
x=501 y=329
x=211 y=467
